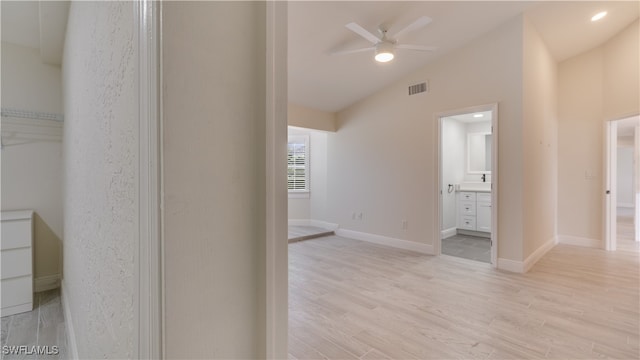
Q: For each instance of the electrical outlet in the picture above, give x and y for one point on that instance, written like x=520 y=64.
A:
x=405 y=225
x=360 y=216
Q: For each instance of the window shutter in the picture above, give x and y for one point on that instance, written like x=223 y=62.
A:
x=298 y=164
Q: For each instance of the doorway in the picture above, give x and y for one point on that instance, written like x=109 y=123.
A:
x=622 y=212
x=467 y=187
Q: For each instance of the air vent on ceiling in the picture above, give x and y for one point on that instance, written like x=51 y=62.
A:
x=418 y=88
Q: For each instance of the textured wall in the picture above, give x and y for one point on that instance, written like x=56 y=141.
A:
x=32 y=170
x=100 y=155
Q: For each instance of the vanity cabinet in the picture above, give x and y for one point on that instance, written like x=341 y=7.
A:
x=483 y=212
x=474 y=211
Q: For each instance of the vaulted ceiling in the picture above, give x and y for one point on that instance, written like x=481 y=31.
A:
x=316 y=28
x=328 y=82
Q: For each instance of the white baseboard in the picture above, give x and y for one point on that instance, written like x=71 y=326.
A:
x=539 y=253
x=626 y=205
x=447 y=233
x=524 y=266
x=511 y=265
x=474 y=233
x=580 y=241
x=299 y=222
x=72 y=345
x=311 y=222
x=387 y=241
x=44 y=283
x=323 y=224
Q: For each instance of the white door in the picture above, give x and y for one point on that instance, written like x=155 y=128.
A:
x=610 y=186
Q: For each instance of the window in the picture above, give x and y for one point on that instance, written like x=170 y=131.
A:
x=298 y=164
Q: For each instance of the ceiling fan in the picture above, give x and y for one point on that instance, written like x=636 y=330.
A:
x=385 y=45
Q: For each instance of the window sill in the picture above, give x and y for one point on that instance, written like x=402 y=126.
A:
x=298 y=195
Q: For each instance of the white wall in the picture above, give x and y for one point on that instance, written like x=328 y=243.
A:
x=381 y=160
x=100 y=183
x=304 y=117
x=594 y=87
x=313 y=206
x=214 y=171
x=539 y=137
x=27 y=83
x=454 y=137
x=31 y=168
x=626 y=195
x=621 y=56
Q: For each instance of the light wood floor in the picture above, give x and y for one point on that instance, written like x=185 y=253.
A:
x=350 y=299
x=625 y=231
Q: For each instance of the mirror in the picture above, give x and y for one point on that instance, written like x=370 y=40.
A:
x=479 y=153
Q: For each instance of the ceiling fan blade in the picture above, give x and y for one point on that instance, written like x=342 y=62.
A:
x=415 y=47
x=351 y=51
x=420 y=22
x=362 y=32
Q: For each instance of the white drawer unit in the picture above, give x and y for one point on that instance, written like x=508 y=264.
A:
x=467 y=196
x=467 y=222
x=474 y=211
x=466 y=208
x=16 y=262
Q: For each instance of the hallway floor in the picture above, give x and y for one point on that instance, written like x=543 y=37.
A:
x=625 y=231
x=43 y=326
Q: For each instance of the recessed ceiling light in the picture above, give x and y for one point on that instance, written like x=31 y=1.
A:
x=599 y=16
x=477 y=115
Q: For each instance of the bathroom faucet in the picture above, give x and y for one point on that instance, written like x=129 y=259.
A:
x=484 y=177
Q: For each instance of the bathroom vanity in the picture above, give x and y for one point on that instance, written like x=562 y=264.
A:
x=474 y=211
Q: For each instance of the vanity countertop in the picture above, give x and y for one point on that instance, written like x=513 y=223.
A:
x=474 y=186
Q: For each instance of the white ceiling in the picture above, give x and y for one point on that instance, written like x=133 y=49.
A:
x=330 y=83
x=626 y=127
x=333 y=82
x=470 y=117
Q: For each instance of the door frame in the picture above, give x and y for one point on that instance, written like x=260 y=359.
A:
x=610 y=181
x=610 y=188
x=149 y=296
x=149 y=293
x=493 y=107
x=276 y=262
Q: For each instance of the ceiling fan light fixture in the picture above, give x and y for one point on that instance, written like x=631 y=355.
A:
x=384 y=52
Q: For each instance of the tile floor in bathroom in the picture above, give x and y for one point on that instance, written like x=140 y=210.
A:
x=468 y=247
